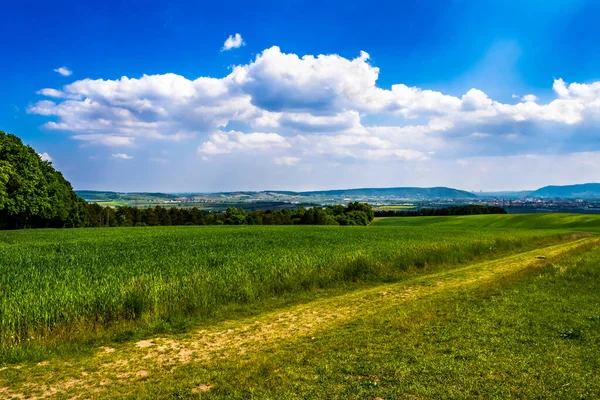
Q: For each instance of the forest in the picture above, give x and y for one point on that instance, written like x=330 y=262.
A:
x=472 y=209
x=353 y=214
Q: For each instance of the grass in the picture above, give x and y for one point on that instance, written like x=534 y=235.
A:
x=460 y=307
x=112 y=203
x=60 y=283
x=518 y=326
x=394 y=207
x=581 y=222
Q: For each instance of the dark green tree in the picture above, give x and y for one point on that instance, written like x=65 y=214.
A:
x=32 y=193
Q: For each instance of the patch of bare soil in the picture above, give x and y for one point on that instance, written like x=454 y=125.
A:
x=201 y=388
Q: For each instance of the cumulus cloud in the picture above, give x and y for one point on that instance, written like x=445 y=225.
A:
x=106 y=140
x=530 y=97
x=227 y=142
x=51 y=93
x=286 y=160
x=121 y=156
x=310 y=107
x=64 y=71
x=233 y=42
x=45 y=157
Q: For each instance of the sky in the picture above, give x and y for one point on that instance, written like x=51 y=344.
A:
x=179 y=96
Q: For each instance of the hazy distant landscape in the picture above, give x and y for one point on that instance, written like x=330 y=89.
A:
x=570 y=198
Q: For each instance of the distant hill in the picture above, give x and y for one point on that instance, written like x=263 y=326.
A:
x=586 y=190
x=401 y=192
x=415 y=193
x=93 y=195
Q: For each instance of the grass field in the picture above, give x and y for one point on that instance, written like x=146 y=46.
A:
x=61 y=282
x=394 y=207
x=581 y=222
x=462 y=307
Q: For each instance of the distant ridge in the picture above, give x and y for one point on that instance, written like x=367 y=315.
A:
x=585 y=190
x=401 y=192
x=581 y=191
x=96 y=195
x=415 y=193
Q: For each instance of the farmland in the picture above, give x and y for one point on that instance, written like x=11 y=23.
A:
x=67 y=281
x=290 y=311
x=581 y=222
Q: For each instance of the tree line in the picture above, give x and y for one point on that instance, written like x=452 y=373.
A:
x=447 y=211
x=352 y=214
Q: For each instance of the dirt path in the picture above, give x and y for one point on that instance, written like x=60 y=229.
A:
x=94 y=376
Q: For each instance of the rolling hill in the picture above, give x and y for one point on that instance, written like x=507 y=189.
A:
x=586 y=190
x=401 y=192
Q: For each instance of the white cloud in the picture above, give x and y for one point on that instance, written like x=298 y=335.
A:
x=51 y=93
x=530 y=97
x=315 y=108
x=475 y=100
x=121 y=156
x=45 y=157
x=276 y=81
x=64 y=71
x=106 y=140
x=480 y=134
x=233 y=42
x=227 y=142
x=287 y=161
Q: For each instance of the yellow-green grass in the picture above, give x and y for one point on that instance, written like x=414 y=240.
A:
x=520 y=326
x=394 y=207
x=111 y=203
x=585 y=222
x=60 y=284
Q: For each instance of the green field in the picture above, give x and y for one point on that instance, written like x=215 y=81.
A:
x=394 y=207
x=490 y=306
x=580 y=222
x=69 y=281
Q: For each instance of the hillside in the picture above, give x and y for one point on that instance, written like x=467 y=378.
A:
x=410 y=193
x=583 y=222
x=401 y=192
x=586 y=190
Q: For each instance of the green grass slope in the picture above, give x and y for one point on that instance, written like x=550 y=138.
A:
x=581 y=222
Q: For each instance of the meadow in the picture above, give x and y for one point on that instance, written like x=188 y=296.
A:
x=579 y=222
x=492 y=306
x=61 y=282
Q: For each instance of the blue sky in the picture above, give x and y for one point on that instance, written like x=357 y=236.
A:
x=477 y=95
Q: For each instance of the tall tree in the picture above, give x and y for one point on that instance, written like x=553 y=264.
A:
x=32 y=192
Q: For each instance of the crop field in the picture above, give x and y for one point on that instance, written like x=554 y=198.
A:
x=65 y=281
x=394 y=207
x=581 y=222
x=303 y=311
